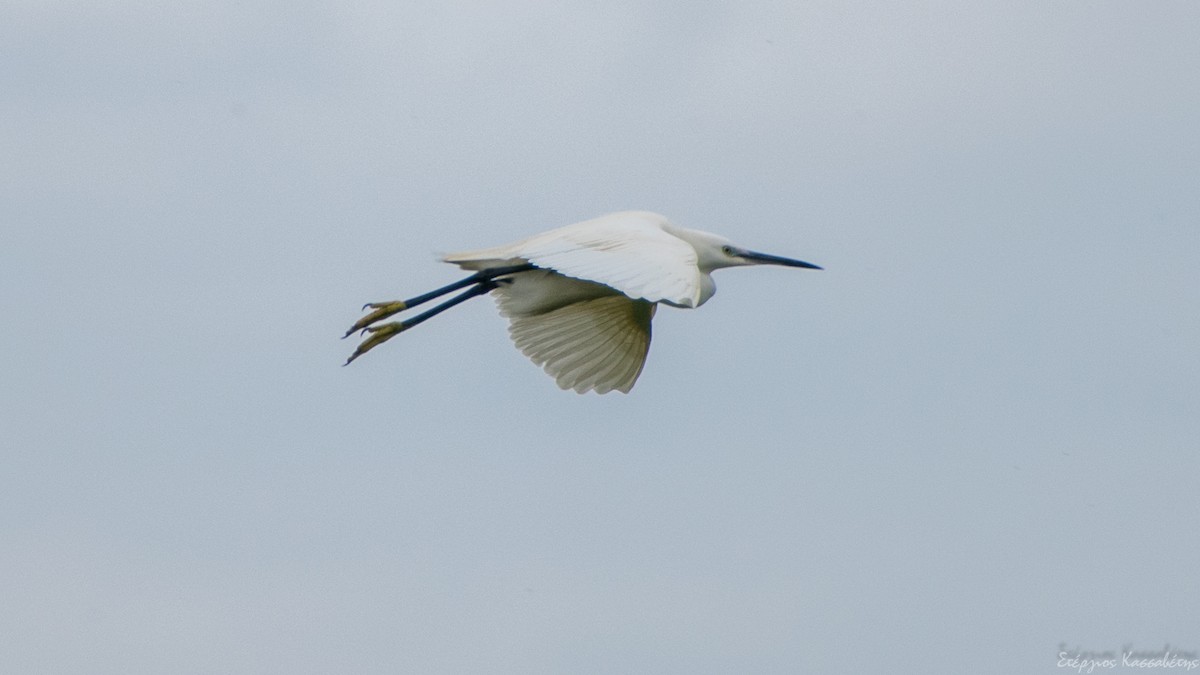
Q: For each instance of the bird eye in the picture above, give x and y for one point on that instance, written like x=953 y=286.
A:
x=727 y=250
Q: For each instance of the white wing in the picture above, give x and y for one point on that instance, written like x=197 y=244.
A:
x=628 y=251
x=599 y=344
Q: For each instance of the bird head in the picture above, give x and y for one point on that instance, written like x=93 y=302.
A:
x=736 y=256
x=715 y=252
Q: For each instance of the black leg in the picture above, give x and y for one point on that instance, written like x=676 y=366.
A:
x=384 y=332
x=385 y=309
x=480 y=288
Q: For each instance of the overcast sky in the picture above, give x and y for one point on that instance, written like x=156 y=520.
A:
x=967 y=445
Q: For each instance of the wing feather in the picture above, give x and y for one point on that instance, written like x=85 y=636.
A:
x=596 y=344
x=599 y=360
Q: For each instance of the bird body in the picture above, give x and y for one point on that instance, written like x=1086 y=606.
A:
x=637 y=253
x=580 y=298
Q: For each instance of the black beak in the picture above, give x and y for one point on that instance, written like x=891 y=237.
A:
x=768 y=259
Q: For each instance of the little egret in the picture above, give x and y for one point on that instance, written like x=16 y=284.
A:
x=579 y=299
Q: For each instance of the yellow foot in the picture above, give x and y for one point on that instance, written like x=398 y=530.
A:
x=382 y=311
x=379 y=335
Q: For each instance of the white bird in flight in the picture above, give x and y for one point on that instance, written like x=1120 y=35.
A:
x=579 y=298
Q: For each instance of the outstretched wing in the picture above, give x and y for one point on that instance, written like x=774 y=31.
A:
x=599 y=344
x=628 y=251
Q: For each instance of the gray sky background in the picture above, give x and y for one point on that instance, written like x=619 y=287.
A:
x=972 y=439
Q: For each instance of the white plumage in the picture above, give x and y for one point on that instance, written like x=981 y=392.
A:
x=633 y=252
x=580 y=298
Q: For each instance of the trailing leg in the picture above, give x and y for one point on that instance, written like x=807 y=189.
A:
x=383 y=310
x=384 y=332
